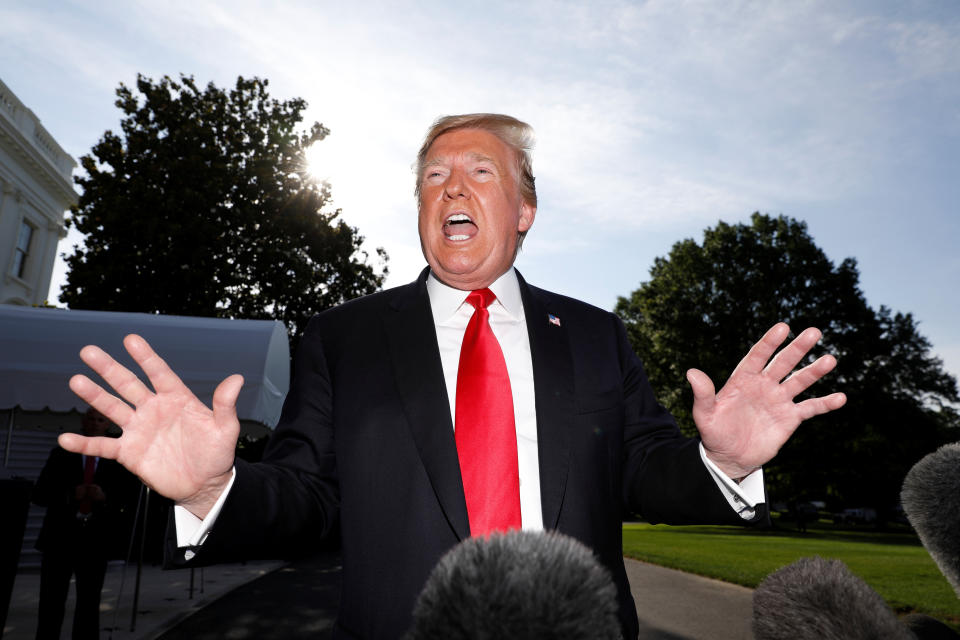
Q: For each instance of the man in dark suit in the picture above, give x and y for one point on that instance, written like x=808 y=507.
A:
x=369 y=442
x=88 y=520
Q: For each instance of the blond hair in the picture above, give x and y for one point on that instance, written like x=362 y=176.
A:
x=514 y=133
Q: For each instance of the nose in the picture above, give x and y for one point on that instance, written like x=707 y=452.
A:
x=455 y=186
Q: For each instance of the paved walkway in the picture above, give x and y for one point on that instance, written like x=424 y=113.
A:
x=165 y=598
x=673 y=605
x=299 y=600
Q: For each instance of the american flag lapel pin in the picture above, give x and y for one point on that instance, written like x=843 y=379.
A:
x=553 y=319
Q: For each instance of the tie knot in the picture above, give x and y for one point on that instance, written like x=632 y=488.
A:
x=481 y=298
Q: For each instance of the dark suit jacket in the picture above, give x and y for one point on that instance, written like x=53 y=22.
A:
x=365 y=444
x=107 y=531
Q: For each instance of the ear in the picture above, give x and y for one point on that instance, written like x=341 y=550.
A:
x=527 y=213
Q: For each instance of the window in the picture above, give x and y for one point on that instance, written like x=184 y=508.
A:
x=22 y=251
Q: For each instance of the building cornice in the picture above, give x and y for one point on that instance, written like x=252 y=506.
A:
x=26 y=138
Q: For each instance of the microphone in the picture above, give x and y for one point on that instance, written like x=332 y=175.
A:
x=521 y=584
x=818 y=599
x=931 y=500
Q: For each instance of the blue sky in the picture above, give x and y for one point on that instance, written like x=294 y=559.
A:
x=654 y=119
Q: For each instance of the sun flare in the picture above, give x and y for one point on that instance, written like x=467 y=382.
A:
x=317 y=160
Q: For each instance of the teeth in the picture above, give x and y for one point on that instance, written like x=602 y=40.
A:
x=458 y=237
x=458 y=217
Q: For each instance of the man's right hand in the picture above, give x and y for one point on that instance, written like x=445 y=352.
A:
x=179 y=448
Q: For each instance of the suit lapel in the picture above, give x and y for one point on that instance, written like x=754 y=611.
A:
x=415 y=357
x=553 y=381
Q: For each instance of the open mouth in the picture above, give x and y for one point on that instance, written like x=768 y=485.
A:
x=459 y=226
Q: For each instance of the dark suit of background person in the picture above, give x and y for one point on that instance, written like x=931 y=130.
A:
x=366 y=436
x=76 y=544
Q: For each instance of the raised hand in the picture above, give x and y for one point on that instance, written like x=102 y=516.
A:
x=744 y=425
x=177 y=445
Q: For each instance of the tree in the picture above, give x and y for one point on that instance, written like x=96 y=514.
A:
x=203 y=206
x=706 y=304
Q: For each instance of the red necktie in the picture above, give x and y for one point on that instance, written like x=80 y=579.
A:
x=485 y=431
x=89 y=469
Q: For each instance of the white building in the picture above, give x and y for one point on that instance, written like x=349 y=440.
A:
x=36 y=188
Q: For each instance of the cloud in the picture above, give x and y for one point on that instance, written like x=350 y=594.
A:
x=84 y=52
x=925 y=48
x=654 y=118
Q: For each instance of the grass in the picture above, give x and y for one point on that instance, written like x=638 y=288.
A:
x=894 y=564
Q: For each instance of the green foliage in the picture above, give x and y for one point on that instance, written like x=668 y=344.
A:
x=706 y=304
x=202 y=206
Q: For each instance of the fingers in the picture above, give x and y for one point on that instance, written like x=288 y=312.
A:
x=225 y=402
x=117 y=376
x=93 y=394
x=784 y=362
x=161 y=376
x=759 y=354
x=804 y=378
x=100 y=447
x=816 y=406
x=704 y=393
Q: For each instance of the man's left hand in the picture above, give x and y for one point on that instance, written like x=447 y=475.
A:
x=744 y=425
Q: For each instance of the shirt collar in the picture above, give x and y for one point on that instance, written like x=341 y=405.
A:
x=445 y=300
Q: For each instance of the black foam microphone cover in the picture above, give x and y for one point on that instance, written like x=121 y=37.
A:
x=927 y=628
x=931 y=500
x=818 y=599
x=517 y=585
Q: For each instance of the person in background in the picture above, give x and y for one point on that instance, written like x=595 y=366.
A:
x=90 y=503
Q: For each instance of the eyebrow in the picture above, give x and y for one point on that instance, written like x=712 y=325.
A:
x=483 y=158
x=471 y=155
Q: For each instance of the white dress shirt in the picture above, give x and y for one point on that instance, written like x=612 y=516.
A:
x=451 y=314
x=508 y=323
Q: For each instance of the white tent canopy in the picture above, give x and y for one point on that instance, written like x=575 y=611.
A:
x=39 y=353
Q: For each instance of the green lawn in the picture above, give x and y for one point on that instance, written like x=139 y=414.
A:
x=895 y=564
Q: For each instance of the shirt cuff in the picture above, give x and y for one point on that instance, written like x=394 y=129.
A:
x=743 y=497
x=191 y=530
